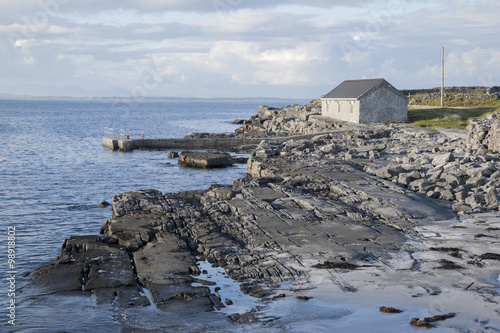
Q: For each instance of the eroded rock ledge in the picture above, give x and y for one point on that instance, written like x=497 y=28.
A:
x=380 y=199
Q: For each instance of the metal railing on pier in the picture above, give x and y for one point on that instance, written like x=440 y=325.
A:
x=123 y=134
x=131 y=134
x=110 y=133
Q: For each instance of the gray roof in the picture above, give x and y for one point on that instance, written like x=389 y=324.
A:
x=353 y=88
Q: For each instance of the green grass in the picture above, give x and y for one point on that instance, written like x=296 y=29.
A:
x=447 y=117
x=453 y=101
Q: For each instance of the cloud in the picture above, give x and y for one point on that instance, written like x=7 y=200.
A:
x=24 y=50
x=242 y=47
x=250 y=63
x=150 y=30
x=37 y=9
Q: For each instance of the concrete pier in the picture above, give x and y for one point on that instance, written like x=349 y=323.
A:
x=219 y=143
x=110 y=143
x=186 y=144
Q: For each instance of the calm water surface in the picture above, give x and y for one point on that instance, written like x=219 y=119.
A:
x=54 y=172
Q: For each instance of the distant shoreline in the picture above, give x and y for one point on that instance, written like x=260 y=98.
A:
x=150 y=99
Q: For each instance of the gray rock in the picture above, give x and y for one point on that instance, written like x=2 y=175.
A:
x=205 y=159
x=484 y=171
x=495 y=175
x=452 y=180
x=461 y=207
x=443 y=159
x=389 y=171
x=433 y=194
x=491 y=198
x=477 y=131
x=461 y=193
x=475 y=200
x=88 y=264
x=493 y=138
x=484 y=133
x=434 y=174
x=374 y=148
x=411 y=167
x=415 y=175
x=408 y=160
x=172 y=154
x=475 y=182
x=145 y=201
x=405 y=179
x=446 y=195
x=419 y=185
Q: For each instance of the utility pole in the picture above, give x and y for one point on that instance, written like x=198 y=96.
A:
x=442 y=77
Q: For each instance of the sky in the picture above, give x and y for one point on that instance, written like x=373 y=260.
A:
x=242 y=48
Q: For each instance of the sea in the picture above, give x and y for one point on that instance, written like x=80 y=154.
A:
x=54 y=172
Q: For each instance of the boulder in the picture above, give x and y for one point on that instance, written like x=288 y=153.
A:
x=474 y=200
x=205 y=160
x=475 y=182
x=461 y=193
x=388 y=171
x=452 y=179
x=491 y=198
x=483 y=171
x=411 y=167
x=419 y=185
x=405 y=179
x=434 y=174
x=443 y=159
x=447 y=195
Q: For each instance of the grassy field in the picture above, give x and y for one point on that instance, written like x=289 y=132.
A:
x=447 y=117
x=455 y=114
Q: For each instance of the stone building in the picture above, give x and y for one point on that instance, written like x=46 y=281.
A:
x=365 y=101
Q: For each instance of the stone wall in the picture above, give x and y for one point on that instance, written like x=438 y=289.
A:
x=434 y=95
x=454 y=90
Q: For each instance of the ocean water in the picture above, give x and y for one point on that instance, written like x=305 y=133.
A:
x=53 y=173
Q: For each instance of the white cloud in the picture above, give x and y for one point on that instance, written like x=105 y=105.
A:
x=251 y=63
x=24 y=50
x=237 y=47
x=150 y=30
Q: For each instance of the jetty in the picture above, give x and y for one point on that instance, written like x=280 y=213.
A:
x=129 y=140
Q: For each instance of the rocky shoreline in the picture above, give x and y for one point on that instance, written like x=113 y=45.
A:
x=354 y=209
